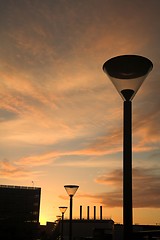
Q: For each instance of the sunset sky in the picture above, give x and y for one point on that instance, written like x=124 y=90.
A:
x=61 y=117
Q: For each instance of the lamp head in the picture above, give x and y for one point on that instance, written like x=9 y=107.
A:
x=63 y=209
x=127 y=73
x=71 y=189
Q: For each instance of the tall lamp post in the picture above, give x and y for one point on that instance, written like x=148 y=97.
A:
x=71 y=190
x=127 y=73
x=63 y=210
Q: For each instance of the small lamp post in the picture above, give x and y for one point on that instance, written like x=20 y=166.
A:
x=63 y=210
x=71 y=190
x=127 y=73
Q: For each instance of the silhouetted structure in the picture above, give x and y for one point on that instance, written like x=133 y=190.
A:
x=71 y=190
x=140 y=232
x=127 y=73
x=86 y=229
x=19 y=212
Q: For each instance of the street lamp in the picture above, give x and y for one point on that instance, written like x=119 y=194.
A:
x=127 y=73
x=63 y=210
x=71 y=190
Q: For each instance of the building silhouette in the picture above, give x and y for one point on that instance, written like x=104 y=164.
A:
x=96 y=228
x=90 y=229
x=19 y=212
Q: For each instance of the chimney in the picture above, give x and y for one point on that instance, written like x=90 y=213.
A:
x=88 y=212
x=100 y=212
x=94 y=212
x=80 y=212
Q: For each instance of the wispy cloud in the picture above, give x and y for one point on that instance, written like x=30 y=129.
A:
x=9 y=170
x=145 y=188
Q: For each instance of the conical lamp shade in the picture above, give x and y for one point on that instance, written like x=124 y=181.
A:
x=63 y=209
x=71 y=189
x=127 y=73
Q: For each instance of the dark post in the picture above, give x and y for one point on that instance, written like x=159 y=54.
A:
x=127 y=170
x=80 y=212
x=87 y=212
x=62 y=226
x=70 y=222
x=100 y=212
x=94 y=212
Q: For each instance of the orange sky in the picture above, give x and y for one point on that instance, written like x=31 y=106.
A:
x=61 y=117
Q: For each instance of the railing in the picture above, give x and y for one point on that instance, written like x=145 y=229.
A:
x=18 y=187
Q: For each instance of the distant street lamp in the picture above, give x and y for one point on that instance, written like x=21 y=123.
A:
x=63 y=210
x=127 y=73
x=71 y=190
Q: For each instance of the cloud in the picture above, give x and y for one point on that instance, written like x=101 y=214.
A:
x=64 y=94
x=83 y=145
x=6 y=115
x=145 y=188
x=37 y=160
x=95 y=198
x=12 y=171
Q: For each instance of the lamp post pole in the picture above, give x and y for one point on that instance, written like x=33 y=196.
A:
x=63 y=210
x=127 y=73
x=62 y=226
x=70 y=219
x=127 y=169
x=71 y=190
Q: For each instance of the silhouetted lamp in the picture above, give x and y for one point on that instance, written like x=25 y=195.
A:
x=127 y=73
x=63 y=210
x=71 y=190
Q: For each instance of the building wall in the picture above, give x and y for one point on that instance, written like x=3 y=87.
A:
x=19 y=209
x=88 y=228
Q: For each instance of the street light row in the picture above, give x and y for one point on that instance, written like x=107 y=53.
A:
x=71 y=190
x=127 y=73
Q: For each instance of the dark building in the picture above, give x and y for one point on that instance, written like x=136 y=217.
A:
x=19 y=211
x=140 y=232
x=85 y=228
